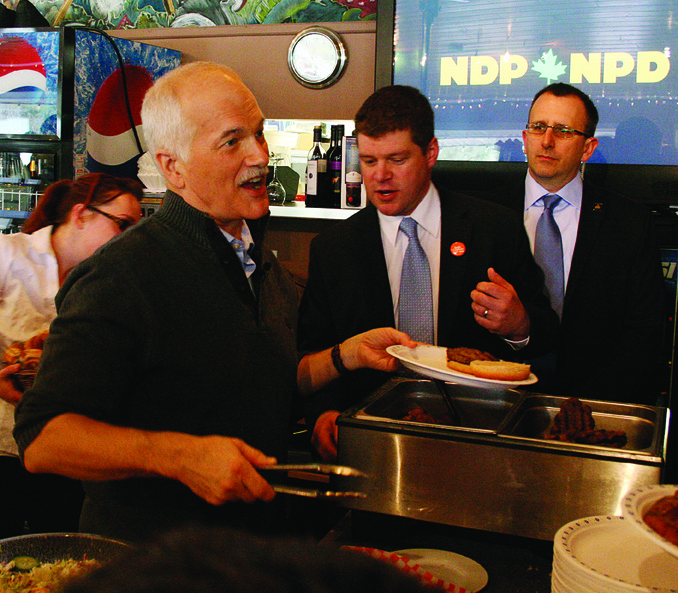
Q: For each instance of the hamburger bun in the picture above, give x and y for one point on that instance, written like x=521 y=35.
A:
x=459 y=359
x=13 y=353
x=30 y=359
x=500 y=370
x=37 y=342
x=27 y=354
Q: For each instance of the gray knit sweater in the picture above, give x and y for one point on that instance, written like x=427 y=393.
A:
x=160 y=330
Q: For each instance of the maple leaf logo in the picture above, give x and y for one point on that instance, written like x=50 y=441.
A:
x=549 y=67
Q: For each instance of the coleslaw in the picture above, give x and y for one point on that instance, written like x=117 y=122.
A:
x=43 y=577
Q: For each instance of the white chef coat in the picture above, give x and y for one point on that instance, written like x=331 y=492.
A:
x=29 y=280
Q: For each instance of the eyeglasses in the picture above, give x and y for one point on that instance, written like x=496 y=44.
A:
x=123 y=223
x=539 y=129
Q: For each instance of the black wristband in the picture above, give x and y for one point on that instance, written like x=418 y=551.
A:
x=336 y=360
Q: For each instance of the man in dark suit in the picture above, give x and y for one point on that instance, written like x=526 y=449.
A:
x=612 y=297
x=484 y=288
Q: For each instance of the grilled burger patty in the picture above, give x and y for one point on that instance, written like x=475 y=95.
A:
x=662 y=516
x=464 y=355
x=459 y=359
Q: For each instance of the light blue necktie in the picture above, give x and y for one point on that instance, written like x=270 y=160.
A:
x=244 y=255
x=415 y=303
x=548 y=253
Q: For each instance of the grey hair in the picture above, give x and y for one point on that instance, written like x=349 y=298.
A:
x=165 y=126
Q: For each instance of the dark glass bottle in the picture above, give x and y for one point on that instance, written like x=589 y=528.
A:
x=316 y=171
x=327 y=201
x=334 y=160
x=353 y=176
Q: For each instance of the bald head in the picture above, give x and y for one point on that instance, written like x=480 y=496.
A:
x=173 y=107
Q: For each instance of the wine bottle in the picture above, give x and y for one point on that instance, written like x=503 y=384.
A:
x=327 y=201
x=334 y=161
x=352 y=176
x=325 y=192
x=316 y=171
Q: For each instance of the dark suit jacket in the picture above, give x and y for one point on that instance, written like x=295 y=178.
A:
x=613 y=315
x=348 y=290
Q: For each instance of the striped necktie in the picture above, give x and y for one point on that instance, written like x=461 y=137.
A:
x=548 y=253
x=415 y=303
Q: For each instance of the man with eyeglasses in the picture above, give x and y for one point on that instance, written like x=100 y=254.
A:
x=599 y=255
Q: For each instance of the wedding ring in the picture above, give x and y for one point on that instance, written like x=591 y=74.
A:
x=486 y=312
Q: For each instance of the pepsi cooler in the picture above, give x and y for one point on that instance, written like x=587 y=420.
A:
x=70 y=104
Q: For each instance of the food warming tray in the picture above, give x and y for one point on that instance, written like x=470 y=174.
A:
x=479 y=459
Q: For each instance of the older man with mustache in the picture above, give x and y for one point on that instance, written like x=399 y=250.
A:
x=167 y=378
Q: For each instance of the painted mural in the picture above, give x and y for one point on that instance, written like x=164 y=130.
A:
x=127 y=14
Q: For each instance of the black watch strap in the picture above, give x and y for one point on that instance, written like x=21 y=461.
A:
x=336 y=360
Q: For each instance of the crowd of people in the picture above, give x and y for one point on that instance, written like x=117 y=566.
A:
x=177 y=347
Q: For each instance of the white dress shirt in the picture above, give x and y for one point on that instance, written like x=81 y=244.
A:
x=29 y=280
x=566 y=214
x=427 y=215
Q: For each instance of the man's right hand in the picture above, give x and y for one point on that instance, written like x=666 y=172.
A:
x=8 y=390
x=221 y=469
x=216 y=468
x=325 y=435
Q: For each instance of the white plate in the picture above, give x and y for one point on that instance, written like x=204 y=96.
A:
x=607 y=552
x=636 y=504
x=450 y=567
x=431 y=361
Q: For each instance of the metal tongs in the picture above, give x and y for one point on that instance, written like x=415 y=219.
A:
x=318 y=472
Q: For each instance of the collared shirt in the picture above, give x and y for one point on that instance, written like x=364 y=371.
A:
x=566 y=214
x=427 y=215
x=29 y=280
x=243 y=248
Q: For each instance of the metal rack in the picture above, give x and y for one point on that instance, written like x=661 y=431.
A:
x=17 y=199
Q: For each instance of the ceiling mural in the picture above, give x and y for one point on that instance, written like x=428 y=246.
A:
x=129 y=14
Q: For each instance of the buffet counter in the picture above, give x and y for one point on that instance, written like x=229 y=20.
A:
x=480 y=458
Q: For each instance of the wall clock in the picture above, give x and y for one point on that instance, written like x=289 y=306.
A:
x=317 y=57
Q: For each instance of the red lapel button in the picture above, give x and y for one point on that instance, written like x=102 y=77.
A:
x=457 y=248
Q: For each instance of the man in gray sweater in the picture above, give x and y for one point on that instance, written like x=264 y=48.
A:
x=167 y=378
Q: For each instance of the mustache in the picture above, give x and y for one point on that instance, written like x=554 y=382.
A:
x=253 y=173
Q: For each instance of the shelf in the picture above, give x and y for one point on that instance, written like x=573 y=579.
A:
x=295 y=210
x=14 y=214
x=299 y=210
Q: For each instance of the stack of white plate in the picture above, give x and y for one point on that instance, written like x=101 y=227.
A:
x=607 y=554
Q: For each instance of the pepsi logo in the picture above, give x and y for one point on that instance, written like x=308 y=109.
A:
x=110 y=143
x=22 y=73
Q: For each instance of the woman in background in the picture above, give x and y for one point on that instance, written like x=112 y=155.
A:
x=70 y=222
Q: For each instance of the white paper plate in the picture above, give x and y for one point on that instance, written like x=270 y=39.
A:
x=558 y=585
x=572 y=581
x=431 y=361
x=611 y=552
x=450 y=567
x=637 y=503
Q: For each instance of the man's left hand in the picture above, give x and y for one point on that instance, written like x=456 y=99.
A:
x=8 y=390
x=498 y=309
